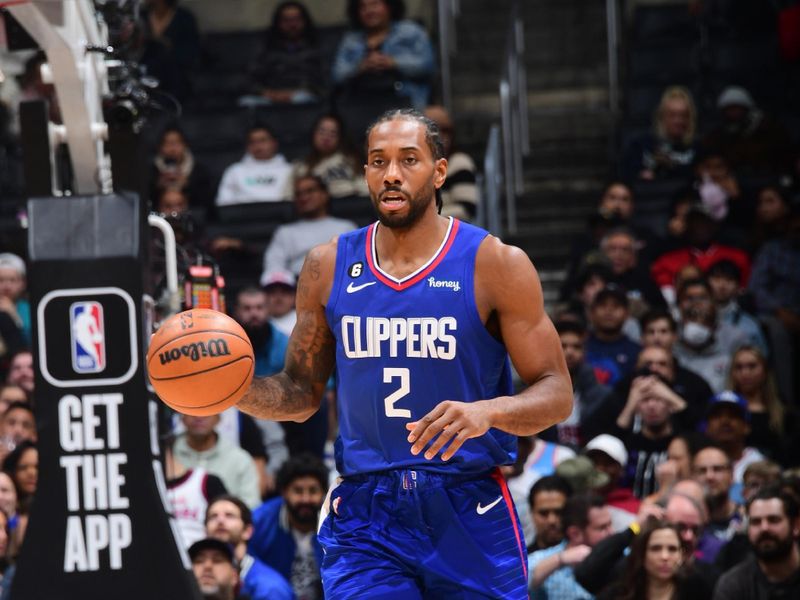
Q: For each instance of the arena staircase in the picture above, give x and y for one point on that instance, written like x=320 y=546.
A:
x=570 y=124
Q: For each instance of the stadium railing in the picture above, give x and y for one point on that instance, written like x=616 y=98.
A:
x=447 y=12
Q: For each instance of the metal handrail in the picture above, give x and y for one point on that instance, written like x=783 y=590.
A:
x=612 y=46
x=447 y=11
x=489 y=207
x=507 y=128
x=514 y=115
x=509 y=140
x=170 y=257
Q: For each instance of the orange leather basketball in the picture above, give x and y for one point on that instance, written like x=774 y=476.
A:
x=200 y=362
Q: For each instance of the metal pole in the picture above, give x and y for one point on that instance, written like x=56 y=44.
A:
x=455 y=10
x=445 y=29
x=170 y=258
x=508 y=155
x=494 y=181
x=612 y=41
x=516 y=123
x=522 y=86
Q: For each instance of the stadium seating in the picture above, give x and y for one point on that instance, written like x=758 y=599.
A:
x=355 y=208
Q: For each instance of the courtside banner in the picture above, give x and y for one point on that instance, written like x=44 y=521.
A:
x=99 y=526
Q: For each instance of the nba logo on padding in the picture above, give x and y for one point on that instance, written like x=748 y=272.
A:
x=87 y=334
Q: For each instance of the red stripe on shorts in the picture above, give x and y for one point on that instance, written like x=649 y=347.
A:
x=501 y=481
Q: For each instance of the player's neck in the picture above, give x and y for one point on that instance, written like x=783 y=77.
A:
x=407 y=249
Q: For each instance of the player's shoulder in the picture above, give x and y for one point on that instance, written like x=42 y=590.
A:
x=504 y=275
x=326 y=252
x=323 y=254
x=495 y=256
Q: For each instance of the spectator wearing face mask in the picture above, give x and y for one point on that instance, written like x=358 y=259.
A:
x=661 y=330
x=718 y=187
x=704 y=343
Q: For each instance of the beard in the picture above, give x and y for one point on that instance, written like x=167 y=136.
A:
x=715 y=500
x=303 y=513
x=771 y=549
x=417 y=205
x=259 y=334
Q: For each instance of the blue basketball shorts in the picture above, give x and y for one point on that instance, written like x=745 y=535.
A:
x=416 y=534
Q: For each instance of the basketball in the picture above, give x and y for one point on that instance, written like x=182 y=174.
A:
x=200 y=362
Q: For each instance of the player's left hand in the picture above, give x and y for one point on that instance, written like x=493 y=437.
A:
x=453 y=422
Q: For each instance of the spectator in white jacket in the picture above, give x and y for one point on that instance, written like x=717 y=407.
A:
x=263 y=174
x=291 y=242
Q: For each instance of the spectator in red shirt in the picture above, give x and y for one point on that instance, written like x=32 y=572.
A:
x=701 y=249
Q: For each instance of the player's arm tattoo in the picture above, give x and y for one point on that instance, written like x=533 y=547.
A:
x=294 y=394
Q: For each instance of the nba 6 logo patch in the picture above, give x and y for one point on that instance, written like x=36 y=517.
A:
x=87 y=334
x=356 y=269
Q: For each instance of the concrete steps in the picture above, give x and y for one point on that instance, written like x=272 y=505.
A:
x=570 y=125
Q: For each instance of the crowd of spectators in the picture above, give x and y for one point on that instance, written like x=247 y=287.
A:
x=680 y=331
x=676 y=475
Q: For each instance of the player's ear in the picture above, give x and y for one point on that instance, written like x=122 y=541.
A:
x=440 y=172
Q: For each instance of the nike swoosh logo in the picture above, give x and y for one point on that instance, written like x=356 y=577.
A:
x=354 y=288
x=483 y=509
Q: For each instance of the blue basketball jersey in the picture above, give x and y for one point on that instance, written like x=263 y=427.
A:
x=404 y=346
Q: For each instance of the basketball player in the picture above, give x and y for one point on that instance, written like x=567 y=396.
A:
x=419 y=313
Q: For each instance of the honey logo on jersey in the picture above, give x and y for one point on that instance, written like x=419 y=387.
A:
x=87 y=333
x=444 y=283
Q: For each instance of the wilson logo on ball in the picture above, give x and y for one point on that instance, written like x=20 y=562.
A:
x=196 y=351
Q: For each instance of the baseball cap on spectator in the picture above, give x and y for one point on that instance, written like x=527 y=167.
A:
x=611 y=291
x=213 y=544
x=728 y=398
x=12 y=261
x=581 y=474
x=735 y=96
x=279 y=277
x=610 y=445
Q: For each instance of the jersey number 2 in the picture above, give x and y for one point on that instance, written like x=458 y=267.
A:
x=405 y=388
